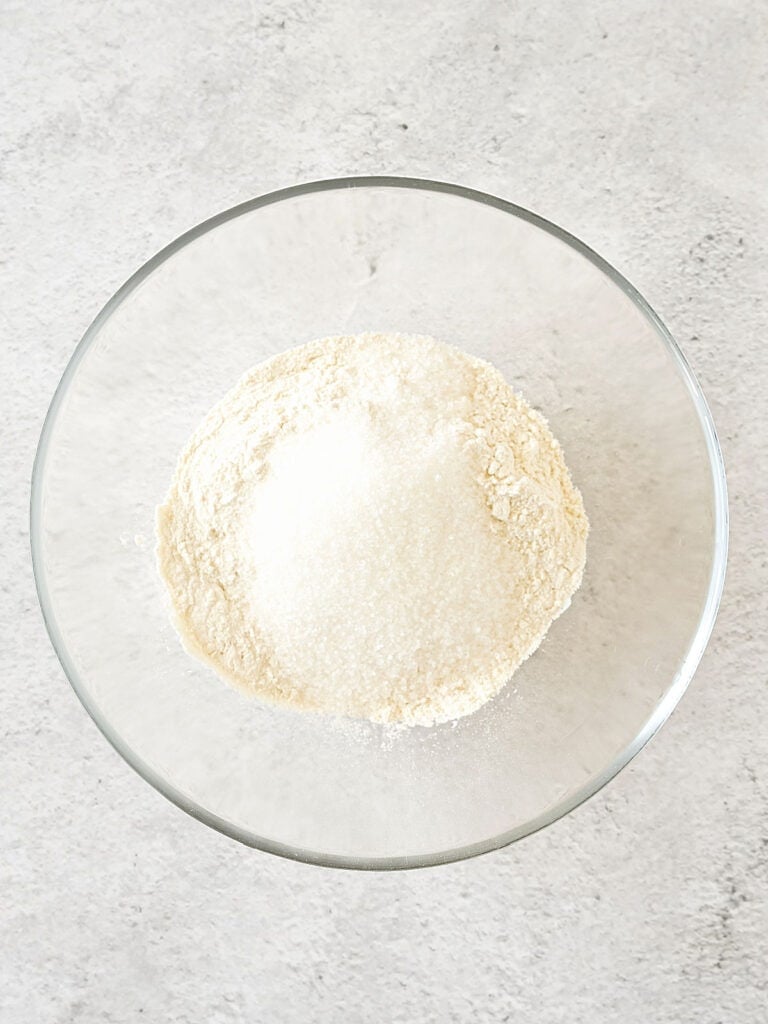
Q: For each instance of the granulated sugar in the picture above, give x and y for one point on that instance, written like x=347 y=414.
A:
x=373 y=526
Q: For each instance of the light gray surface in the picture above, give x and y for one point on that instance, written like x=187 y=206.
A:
x=641 y=127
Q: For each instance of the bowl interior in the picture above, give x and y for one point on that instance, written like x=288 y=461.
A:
x=342 y=258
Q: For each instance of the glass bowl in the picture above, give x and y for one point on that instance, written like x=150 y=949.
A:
x=382 y=254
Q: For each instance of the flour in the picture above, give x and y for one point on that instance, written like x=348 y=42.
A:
x=373 y=526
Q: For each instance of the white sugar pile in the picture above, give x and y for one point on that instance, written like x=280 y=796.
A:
x=374 y=526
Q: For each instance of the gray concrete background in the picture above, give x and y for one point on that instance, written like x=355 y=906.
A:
x=642 y=128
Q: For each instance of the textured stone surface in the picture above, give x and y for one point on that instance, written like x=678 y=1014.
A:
x=639 y=126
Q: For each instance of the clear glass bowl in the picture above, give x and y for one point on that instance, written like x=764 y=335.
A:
x=382 y=254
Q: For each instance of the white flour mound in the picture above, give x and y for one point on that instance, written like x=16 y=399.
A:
x=373 y=526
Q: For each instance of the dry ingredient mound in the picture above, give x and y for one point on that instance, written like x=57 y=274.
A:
x=373 y=526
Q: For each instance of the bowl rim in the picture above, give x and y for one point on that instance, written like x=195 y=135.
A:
x=662 y=709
